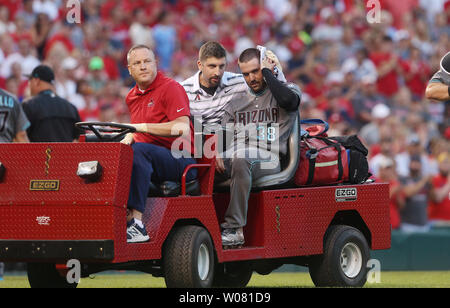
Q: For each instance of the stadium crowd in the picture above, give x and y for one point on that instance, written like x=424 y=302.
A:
x=362 y=77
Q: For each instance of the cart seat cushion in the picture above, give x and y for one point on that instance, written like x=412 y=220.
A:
x=173 y=189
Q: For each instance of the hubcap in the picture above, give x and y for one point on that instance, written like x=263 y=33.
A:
x=351 y=260
x=203 y=262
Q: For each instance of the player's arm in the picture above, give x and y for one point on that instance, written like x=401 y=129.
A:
x=285 y=97
x=437 y=91
x=21 y=137
x=22 y=124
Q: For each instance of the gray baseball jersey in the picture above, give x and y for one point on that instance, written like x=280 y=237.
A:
x=263 y=120
x=441 y=77
x=12 y=117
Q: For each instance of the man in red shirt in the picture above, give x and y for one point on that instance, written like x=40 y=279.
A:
x=387 y=64
x=159 y=109
x=439 y=208
x=387 y=174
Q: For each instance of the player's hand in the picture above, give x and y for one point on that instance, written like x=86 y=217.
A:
x=128 y=139
x=220 y=167
x=269 y=64
x=274 y=58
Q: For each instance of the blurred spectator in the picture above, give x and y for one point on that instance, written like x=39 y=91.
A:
x=65 y=84
x=86 y=102
x=416 y=189
x=370 y=133
x=387 y=150
x=6 y=26
x=386 y=61
x=140 y=31
x=387 y=174
x=414 y=149
x=48 y=7
x=416 y=73
x=40 y=32
x=165 y=35
x=27 y=14
x=360 y=66
x=329 y=28
x=365 y=101
x=98 y=77
x=60 y=44
x=439 y=209
x=25 y=56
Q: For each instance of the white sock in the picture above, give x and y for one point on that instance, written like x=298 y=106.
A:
x=139 y=223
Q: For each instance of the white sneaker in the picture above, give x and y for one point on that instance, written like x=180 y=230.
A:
x=136 y=234
x=233 y=237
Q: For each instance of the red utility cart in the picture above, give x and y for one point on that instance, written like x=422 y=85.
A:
x=49 y=214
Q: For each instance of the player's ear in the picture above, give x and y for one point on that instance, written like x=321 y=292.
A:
x=199 y=65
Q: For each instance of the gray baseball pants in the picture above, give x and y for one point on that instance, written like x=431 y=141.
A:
x=242 y=169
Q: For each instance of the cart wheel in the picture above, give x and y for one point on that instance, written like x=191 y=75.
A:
x=45 y=275
x=233 y=275
x=188 y=258
x=343 y=263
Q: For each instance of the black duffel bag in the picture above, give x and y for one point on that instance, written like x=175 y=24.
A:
x=357 y=155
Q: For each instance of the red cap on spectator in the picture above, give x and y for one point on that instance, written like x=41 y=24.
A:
x=296 y=45
x=24 y=36
x=447 y=133
x=320 y=69
x=447 y=5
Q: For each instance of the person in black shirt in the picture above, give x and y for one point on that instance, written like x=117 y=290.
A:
x=52 y=118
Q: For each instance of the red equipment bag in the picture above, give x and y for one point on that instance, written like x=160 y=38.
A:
x=322 y=160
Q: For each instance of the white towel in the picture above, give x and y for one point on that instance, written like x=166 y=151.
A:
x=278 y=71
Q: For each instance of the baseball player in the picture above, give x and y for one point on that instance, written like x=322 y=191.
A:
x=13 y=121
x=439 y=86
x=268 y=109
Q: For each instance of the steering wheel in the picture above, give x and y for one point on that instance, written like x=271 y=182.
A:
x=107 y=131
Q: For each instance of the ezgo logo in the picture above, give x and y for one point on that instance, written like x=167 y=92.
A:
x=346 y=194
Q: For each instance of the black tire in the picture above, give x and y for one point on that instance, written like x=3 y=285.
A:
x=45 y=275
x=184 y=248
x=344 y=261
x=232 y=275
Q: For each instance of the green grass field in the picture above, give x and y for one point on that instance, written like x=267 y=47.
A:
x=274 y=280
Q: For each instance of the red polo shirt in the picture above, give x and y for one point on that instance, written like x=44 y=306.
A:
x=163 y=101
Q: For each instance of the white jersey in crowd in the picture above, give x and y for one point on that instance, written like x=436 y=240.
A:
x=212 y=107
